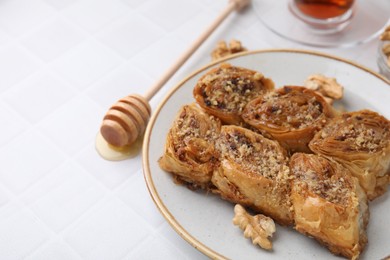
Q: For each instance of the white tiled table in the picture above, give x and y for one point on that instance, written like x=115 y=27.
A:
x=62 y=64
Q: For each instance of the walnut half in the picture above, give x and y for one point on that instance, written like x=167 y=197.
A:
x=385 y=36
x=222 y=50
x=329 y=88
x=259 y=227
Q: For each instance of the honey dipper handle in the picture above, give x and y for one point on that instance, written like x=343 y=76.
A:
x=233 y=5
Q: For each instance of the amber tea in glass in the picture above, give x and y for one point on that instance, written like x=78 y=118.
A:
x=326 y=15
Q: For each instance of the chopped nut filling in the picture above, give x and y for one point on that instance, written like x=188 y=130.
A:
x=323 y=180
x=290 y=110
x=356 y=134
x=192 y=137
x=230 y=88
x=256 y=156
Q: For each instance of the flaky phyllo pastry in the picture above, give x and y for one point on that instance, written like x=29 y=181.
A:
x=253 y=172
x=329 y=204
x=285 y=153
x=290 y=115
x=189 y=149
x=361 y=142
x=224 y=91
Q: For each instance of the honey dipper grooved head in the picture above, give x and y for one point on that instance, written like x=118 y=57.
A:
x=126 y=120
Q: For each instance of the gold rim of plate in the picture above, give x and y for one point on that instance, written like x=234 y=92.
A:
x=145 y=147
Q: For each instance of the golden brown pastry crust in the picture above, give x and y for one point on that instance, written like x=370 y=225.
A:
x=291 y=115
x=189 y=149
x=329 y=204
x=224 y=91
x=253 y=172
x=361 y=142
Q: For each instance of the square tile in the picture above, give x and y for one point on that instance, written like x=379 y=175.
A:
x=147 y=209
x=110 y=174
x=86 y=63
x=135 y=3
x=166 y=50
x=15 y=124
x=167 y=231
x=4 y=37
x=20 y=16
x=60 y=4
x=80 y=116
x=131 y=35
x=64 y=195
x=15 y=65
x=93 y=15
x=26 y=160
x=109 y=232
x=124 y=80
x=53 y=39
x=172 y=13
x=161 y=247
x=4 y=197
x=55 y=249
x=20 y=233
x=39 y=96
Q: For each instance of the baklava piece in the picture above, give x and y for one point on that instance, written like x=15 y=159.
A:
x=361 y=142
x=224 y=91
x=190 y=152
x=290 y=115
x=329 y=204
x=253 y=172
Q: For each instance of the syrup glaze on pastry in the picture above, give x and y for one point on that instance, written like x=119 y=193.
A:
x=189 y=149
x=290 y=115
x=253 y=171
x=329 y=204
x=361 y=142
x=224 y=91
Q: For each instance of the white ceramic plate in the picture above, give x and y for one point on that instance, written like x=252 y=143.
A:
x=205 y=220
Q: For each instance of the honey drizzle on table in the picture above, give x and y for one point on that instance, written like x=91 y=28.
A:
x=112 y=153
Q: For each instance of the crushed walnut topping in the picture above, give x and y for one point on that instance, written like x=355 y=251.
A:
x=257 y=156
x=193 y=135
x=290 y=110
x=324 y=181
x=231 y=88
x=356 y=134
x=259 y=228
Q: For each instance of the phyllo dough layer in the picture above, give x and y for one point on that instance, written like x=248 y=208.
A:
x=253 y=172
x=329 y=204
x=224 y=91
x=290 y=115
x=361 y=142
x=189 y=149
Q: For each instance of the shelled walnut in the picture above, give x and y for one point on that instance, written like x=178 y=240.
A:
x=327 y=87
x=385 y=36
x=223 y=50
x=259 y=227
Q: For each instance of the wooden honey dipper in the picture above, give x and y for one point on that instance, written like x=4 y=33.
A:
x=127 y=119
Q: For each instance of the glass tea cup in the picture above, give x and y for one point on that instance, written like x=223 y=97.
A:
x=324 y=16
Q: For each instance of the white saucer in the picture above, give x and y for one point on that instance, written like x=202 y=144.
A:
x=368 y=22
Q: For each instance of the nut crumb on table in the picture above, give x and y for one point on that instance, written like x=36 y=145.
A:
x=223 y=50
